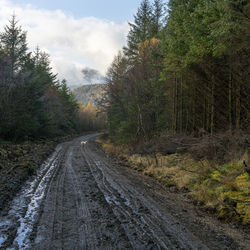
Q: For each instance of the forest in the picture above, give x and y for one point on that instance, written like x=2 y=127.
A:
x=185 y=70
x=177 y=101
x=33 y=102
x=146 y=160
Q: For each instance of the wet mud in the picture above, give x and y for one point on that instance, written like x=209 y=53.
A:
x=82 y=199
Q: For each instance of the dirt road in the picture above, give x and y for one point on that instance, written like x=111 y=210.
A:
x=81 y=199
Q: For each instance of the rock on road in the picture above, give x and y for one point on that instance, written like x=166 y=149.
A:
x=81 y=199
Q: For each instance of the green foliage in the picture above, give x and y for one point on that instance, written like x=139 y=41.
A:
x=32 y=101
x=148 y=22
x=13 y=42
x=122 y=126
x=189 y=74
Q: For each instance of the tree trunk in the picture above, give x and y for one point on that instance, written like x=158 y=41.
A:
x=212 y=106
x=237 y=106
x=230 y=101
x=181 y=105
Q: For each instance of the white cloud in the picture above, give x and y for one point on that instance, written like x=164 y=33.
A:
x=72 y=43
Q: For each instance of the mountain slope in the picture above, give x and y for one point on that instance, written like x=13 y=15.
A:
x=89 y=93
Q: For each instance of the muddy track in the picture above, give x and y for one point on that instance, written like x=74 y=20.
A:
x=80 y=199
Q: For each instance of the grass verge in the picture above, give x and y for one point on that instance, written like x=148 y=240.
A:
x=221 y=189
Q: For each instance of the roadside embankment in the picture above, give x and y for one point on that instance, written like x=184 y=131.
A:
x=220 y=188
x=18 y=161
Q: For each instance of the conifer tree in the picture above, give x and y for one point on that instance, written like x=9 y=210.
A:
x=140 y=29
x=32 y=101
x=190 y=76
x=158 y=15
x=13 y=42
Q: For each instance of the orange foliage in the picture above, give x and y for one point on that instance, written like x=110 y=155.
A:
x=90 y=117
x=147 y=46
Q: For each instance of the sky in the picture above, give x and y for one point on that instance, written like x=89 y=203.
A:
x=115 y=10
x=76 y=34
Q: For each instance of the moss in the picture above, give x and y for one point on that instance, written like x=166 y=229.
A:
x=221 y=188
x=168 y=183
x=216 y=175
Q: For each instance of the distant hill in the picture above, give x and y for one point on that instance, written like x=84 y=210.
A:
x=89 y=93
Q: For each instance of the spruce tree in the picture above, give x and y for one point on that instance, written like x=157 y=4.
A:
x=13 y=42
x=140 y=29
x=158 y=15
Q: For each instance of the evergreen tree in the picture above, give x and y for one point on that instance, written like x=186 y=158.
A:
x=140 y=30
x=158 y=16
x=13 y=42
x=70 y=105
x=39 y=106
x=190 y=77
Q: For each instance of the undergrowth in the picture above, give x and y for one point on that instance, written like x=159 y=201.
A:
x=220 y=188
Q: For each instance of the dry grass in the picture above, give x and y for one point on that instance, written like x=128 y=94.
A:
x=221 y=188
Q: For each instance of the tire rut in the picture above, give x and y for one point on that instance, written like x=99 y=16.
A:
x=144 y=225
x=79 y=200
x=75 y=214
x=17 y=226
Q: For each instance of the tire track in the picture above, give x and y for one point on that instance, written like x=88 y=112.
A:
x=86 y=229
x=136 y=230
x=75 y=214
x=79 y=200
x=24 y=208
x=51 y=198
x=150 y=227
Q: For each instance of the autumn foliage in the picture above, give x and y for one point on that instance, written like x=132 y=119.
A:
x=90 y=117
x=182 y=72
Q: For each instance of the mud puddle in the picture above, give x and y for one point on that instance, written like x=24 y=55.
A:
x=80 y=199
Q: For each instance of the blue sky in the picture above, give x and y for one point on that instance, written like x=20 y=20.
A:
x=114 y=10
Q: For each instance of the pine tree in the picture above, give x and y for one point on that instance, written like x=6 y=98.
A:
x=140 y=29
x=13 y=42
x=157 y=17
